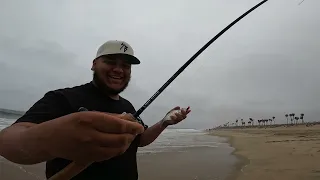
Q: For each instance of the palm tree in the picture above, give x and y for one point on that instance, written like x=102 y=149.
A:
x=297 y=119
x=301 y=117
x=265 y=121
x=259 y=121
x=293 y=115
x=291 y=118
x=237 y=122
x=287 y=118
x=273 y=119
x=251 y=121
x=226 y=124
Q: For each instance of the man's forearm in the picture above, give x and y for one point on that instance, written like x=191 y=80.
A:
x=20 y=146
x=149 y=135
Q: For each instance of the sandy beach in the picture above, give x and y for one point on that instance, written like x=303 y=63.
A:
x=192 y=164
x=286 y=153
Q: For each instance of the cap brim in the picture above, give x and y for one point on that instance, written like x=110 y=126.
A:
x=131 y=59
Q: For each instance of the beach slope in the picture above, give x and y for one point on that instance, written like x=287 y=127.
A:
x=276 y=153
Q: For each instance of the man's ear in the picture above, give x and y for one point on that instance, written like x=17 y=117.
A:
x=94 y=62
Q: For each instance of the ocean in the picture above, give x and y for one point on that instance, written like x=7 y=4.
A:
x=179 y=139
x=169 y=139
x=5 y=122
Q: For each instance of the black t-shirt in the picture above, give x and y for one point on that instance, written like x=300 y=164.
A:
x=61 y=102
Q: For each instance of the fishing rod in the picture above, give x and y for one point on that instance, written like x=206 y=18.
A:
x=301 y=2
x=73 y=169
x=176 y=74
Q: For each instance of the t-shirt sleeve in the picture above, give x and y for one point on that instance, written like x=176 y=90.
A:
x=52 y=105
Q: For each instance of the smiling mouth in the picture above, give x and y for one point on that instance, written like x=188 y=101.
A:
x=116 y=79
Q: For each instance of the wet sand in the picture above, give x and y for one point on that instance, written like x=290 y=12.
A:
x=286 y=153
x=193 y=164
x=200 y=163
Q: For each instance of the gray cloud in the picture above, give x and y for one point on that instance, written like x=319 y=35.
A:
x=266 y=65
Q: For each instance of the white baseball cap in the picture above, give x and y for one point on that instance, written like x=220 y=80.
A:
x=118 y=48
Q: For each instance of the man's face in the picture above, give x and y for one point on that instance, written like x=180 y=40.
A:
x=111 y=73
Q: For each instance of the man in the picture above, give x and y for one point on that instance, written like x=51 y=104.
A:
x=53 y=129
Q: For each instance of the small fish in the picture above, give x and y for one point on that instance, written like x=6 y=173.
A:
x=173 y=113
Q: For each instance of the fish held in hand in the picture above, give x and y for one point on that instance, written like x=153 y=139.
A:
x=174 y=113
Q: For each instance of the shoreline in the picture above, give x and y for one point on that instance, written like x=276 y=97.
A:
x=274 y=153
x=242 y=161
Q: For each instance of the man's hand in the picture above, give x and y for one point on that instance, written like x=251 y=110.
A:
x=175 y=116
x=85 y=137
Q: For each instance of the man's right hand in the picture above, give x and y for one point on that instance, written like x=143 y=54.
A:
x=84 y=137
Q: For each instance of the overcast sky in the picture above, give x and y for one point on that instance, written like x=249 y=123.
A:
x=266 y=65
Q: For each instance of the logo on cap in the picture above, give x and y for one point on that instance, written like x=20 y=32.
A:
x=125 y=47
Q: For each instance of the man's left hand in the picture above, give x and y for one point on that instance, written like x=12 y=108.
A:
x=175 y=116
